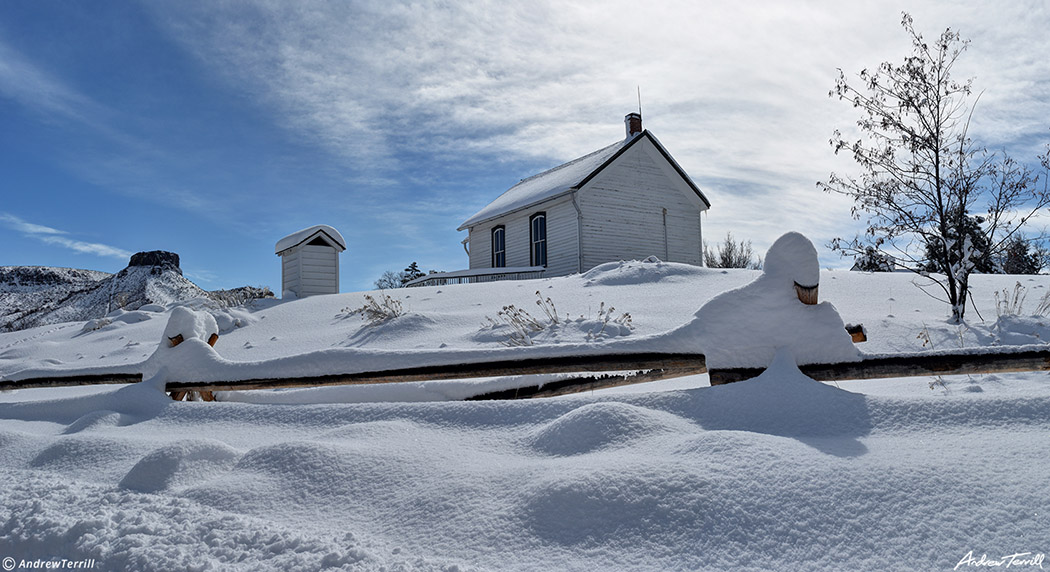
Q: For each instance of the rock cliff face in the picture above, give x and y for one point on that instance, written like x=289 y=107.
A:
x=35 y=296
x=158 y=259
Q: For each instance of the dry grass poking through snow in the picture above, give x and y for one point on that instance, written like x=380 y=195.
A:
x=377 y=311
x=522 y=326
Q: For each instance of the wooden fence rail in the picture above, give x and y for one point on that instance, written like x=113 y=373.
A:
x=70 y=380
x=910 y=365
x=693 y=363
x=613 y=369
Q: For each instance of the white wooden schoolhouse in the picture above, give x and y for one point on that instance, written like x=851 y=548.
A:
x=310 y=261
x=630 y=200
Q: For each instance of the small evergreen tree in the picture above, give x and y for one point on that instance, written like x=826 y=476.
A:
x=1019 y=258
x=941 y=259
x=873 y=261
x=411 y=273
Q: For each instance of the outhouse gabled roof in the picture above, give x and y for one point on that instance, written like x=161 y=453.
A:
x=566 y=177
x=309 y=234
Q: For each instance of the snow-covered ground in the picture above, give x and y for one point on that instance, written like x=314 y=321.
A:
x=775 y=473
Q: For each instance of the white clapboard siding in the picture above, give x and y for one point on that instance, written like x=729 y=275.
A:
x=480 y=245
x=563 y=251
x=623 y=212
x=289 y=271
x=562 y=234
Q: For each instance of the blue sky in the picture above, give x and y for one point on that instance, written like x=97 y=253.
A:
x=213 y=129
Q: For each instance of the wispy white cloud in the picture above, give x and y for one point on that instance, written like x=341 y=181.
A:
x=26 y=83
x=128 y=164
x=737 y=92
x=200 y=275
x=60 y=238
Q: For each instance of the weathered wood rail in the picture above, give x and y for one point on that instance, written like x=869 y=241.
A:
x=909 y=365
x=70 y=380
x=613 y=369
x=657 y=366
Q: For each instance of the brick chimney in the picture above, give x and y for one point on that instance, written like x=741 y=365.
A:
x=633 y=122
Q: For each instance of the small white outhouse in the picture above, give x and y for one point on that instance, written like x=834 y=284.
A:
x=310 y=261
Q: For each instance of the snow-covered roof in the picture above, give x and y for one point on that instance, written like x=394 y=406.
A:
x=307 y=234
x=547 y=184
x=564 y=178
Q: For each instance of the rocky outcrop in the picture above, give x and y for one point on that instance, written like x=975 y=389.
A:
x=159 y=259
x=33 y=296
x=37 y=296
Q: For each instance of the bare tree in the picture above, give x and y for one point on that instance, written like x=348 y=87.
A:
x=390 y=279
x=732 y=254
x=922 y=176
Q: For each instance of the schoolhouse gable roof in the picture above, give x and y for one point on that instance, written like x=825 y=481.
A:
x=567 y=177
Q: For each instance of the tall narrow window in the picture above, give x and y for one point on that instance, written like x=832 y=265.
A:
x=538 y=239
x=499 y=247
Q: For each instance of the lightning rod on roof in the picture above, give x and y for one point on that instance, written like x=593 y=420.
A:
x=639 y=100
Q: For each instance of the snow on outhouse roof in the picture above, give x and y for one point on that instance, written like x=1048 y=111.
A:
x=307 y=234
x=563 y=178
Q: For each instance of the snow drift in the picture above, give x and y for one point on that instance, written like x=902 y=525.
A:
x=746 y=326
x=775 y=473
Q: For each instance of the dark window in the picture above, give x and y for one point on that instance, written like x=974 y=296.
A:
x=538 y=239
x=499 y=247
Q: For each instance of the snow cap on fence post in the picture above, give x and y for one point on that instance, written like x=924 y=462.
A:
x=746 y=326
x=793 y=257
x=184 y=324
x=185 y=351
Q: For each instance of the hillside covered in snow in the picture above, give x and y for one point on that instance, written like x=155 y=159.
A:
x=38 y=295
x=775 y=473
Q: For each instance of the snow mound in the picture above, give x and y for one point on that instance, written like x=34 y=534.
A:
x=371 y=430
x=716 y=444
x=645 y=271
x=128 y=405
x=576 y=510
x=391 y=330
x=793 y=257
x=745 y=327
x=190 y=325
x=94 y=419
x=315 y=469
x=599 y=426
x=120 y=317
x=1016 y=330
x=180 y=464
x=227 y=318
x=78 y=455
x=783 y=401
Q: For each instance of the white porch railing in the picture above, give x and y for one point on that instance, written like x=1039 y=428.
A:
x=476 y=275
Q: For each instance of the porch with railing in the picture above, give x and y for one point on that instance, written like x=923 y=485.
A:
x=476 y=275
